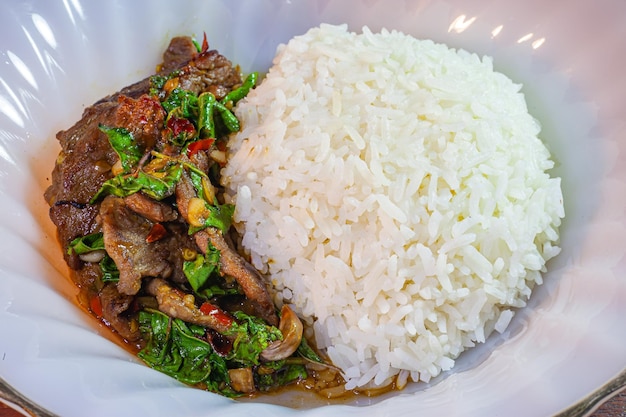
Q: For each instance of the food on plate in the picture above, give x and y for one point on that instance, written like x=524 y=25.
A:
x=139 y=213
x=372 y=208
x=397 y=194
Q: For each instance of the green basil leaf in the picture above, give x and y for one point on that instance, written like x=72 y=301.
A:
x=119 y=186
x=199 y=270
x=283 y=375
x=110 y=273
x=253 y=335
x=184 y=100
x=86 y=244
x=176 y=349
x=203 y=275
x=159 y=188
x=196 y=180
x=307 y=352
x=155 y=187
x=221 y=216
x=124 y=144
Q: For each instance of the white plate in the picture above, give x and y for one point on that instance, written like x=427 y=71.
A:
x=58 y=57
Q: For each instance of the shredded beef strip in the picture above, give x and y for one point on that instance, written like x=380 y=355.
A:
x=233 y=264
x=114 y=305
x=150 y=209
x=125 y=234
x=177 y=304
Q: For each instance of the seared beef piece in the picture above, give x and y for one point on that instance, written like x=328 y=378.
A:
x=180 y=50
x=153 y=210
x=143 y=117
x=233 y=264
x=90 y=277
x=179 y=305
x=115 y=311
x=83 y=164
x=125 y=234
x=210 y=72
x=73 y=220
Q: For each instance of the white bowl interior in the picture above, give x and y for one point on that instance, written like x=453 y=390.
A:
x=60 y=57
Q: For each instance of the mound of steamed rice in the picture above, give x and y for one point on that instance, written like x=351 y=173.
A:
x=395 y=192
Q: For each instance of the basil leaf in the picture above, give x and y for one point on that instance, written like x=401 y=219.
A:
x=283 y=375
x=175 y=348
x=203 y=275
x=307 y=352
x=159 y=188
x=253 y=335
x=86 y=244
x=184 y=100
x=199 y=270
x=221 y=216
x=119 y=186
x=124 y=144
x=110 y=273
x=196 y=180
x=156 y=187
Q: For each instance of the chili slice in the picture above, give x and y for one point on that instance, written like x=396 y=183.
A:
x=220 y=315
x=157 y=232
x=199 y=145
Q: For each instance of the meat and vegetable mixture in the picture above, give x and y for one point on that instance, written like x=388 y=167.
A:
x=137 y=205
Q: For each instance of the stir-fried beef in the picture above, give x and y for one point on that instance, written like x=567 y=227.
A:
x=125 y=234
x=136 y=200
x=231 y=263
x=114 y=308
x=84 y=163
x=142 y=117
x=128 y=224
x=150 y=209
x=177 y=304
x=178 y=53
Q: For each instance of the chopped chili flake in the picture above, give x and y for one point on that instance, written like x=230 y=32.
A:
x=95 y=305
x=180 y=126
x=205 y=44
x=200 y=145
x=220 y=315
x=157 y=232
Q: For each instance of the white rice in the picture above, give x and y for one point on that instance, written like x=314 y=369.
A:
x=395 y=191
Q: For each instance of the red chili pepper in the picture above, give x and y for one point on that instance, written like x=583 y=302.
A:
x=95 y=305
x=180 y=125
x=157 y=232
x=199 y=145
x=220 y=315
x=205 y=44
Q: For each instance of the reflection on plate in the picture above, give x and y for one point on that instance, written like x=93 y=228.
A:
x=59 y=57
